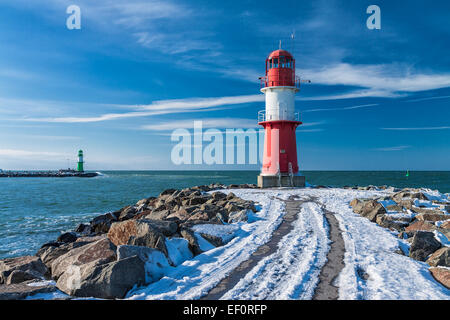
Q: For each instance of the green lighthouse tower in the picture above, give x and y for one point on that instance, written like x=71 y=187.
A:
x=80 y=165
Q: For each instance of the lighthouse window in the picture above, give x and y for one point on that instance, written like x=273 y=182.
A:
x=275 y=63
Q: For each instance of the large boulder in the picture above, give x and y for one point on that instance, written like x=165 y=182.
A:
x=369 y=209
x=238 y=216
x=189 y=235
x=127 y=213
x=90 y=239
x=182 y=214
x=394 y=207
x=22 y=290
x=168 y=192
x=108 y=281
x=19 y=276
x=102 y=223
x=48 y=253
x=158 y=215
x=99 y=252
x=440 y=257
x=143 y=232
x=83 y=229
x=442 y=275
x=30 y=264
x=386 y=221
x=232 y=206
x=445 y=225
x=420 y=226
x=406 y=204
x=194 y=200
x=432 y=216
x=156 y=263
x=205 y=214
x=409 y=193
x=423 y=244
x=214 y=240
x=67 y=237
x=357 y=205
x=218 y=195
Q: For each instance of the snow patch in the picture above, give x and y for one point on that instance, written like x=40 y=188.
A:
x=439 y=236
x=178 y=250
x=204 y=245
x=225 y=232
x=156 y=266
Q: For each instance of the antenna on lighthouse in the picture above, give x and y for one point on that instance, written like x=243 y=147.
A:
x=280 y=45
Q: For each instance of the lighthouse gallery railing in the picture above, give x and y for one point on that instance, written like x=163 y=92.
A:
x=262 y=116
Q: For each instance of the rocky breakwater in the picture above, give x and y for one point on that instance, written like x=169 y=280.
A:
x=130 y=247
x=420 y=218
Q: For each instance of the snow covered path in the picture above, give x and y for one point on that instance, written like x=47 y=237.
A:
x=291 y=272
x=373 y=268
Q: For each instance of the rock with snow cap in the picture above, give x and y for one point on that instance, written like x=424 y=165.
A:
x=423 y=244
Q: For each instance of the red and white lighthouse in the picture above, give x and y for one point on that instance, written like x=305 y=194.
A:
x=279 y=119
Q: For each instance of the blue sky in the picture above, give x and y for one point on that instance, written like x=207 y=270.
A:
x=379 y=99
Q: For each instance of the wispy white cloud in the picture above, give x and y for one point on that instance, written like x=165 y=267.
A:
x=219 y=123
x=428 y=98
x=382 y=80
x=342 y=108
x=160 y=108
x=206 y=123
x=418 y=128
x=17 y=153
x=309 y=130
x=135 y=14
x=18 y=74
x=396 y=148
x=354 y=95
x=44 y=137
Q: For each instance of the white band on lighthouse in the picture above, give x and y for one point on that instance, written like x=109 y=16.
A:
x=280 y=103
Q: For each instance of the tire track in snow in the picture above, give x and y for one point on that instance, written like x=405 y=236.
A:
x=288 y=266
x=326 y=289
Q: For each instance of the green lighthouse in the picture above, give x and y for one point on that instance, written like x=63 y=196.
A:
x=80 y=167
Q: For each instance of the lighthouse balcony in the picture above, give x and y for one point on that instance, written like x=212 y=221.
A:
x=280 y=81
x=262 y=116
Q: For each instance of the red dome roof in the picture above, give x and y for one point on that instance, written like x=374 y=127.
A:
x=279 y=53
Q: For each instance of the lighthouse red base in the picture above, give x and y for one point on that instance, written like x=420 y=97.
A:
x=280 y=166
x=280 y=148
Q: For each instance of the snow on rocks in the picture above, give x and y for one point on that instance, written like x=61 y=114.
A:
x=181 y=244
x=194 y=278
x=178 y=250
x=152 y=236
x=420 y=217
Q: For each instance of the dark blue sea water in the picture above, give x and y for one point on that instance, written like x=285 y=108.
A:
x=36 y=210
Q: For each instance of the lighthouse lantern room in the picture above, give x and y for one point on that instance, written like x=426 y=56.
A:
x=279 y=119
